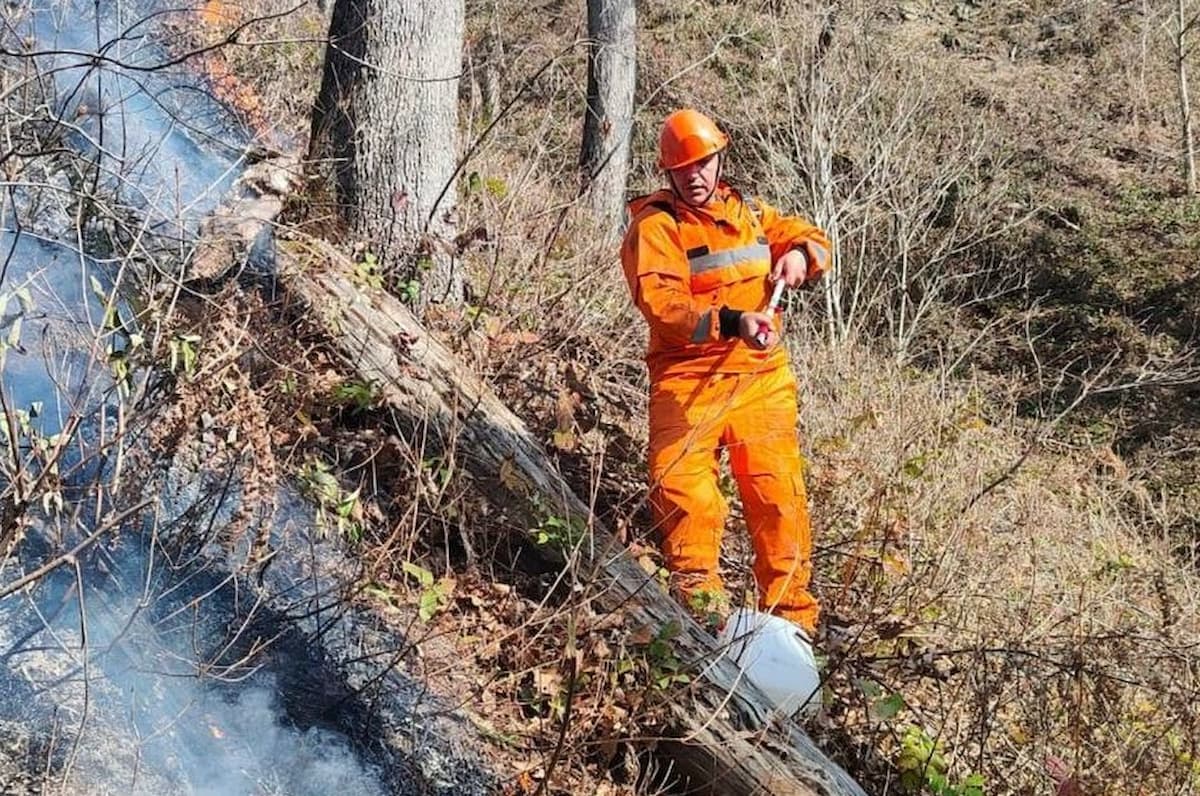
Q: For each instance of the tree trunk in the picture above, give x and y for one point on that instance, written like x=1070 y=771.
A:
x=727 y=743
x=387 y=118
x=489 y=75
x=612 y=56
x=1185 y=108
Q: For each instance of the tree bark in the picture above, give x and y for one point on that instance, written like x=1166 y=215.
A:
x=608 y=121
x=1183 y=27
x=386 y=117
x=489 y=75
x=727 y=743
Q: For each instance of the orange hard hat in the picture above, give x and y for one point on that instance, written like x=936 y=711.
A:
x=687 y=136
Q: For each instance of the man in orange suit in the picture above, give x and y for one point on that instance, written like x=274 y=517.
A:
x=701 y=263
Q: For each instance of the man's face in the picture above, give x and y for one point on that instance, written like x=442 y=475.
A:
x=694 y=183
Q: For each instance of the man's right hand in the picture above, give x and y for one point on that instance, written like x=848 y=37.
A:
x=749 y=326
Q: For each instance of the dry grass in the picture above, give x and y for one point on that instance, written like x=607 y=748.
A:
x=1035 y=622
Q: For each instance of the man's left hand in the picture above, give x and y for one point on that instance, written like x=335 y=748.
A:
x=792 y=268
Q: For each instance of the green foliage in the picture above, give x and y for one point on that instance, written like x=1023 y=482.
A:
x=709 y=606
x=32 y=458
x=883 y=707
x=115 y=330
x=380 y=592
x=360 y=395
x=1112 y=562
x=118 y=360
x=410 y=291
x=110 y=321
x=367 y=272
x=923 y=768
x=1181 y=748
x=914 y=466
x=651 y=660
x=920 y=759
x=439 y=470
x=13 y=338
x=184 y=353
x=495 y=186
x=435 y=594
x=560 y=533
x=336 y=508
x=888 y=707
x=1159 y=209
x=663 y=666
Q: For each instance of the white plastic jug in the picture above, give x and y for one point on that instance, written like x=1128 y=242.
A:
x=777 y=657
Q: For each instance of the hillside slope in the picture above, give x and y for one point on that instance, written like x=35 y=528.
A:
x=1004 y=489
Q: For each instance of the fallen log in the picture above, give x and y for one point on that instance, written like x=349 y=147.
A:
x=728 y=740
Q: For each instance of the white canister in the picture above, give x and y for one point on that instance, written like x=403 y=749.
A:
x=776 y=656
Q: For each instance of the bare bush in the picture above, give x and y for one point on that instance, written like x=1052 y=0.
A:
x=883 y=150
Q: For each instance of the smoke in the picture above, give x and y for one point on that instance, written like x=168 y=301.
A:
x=246 y=746
x=132 y=671
x=138 y=692
x=162 y=142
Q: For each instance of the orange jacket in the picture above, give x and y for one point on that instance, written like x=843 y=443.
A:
x=683 y=264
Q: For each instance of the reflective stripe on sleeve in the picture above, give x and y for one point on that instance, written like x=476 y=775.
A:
x=703 y=329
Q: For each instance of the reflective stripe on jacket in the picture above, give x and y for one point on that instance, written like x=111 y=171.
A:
x=683 y=264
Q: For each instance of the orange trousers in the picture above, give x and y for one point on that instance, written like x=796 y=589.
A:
x=753 y=416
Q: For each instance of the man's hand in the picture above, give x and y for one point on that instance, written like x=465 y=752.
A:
x=792 y=268
x=796 y=270
x=749 y=326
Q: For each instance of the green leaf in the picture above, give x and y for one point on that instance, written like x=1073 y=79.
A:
x=345 y=506
x=973 y=785
x=189 y=360
x=888 y=707
x=422 y=575
x=428 y=605
x=496 y=187
x=379 y=592
x=870 y=689
x=411 y=291
x=915 y=467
